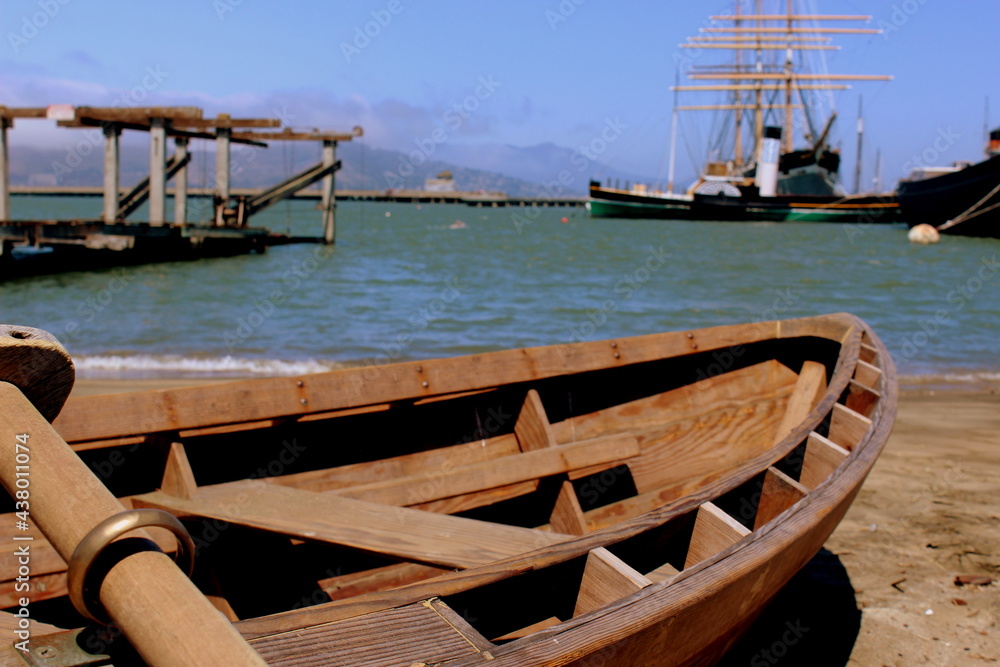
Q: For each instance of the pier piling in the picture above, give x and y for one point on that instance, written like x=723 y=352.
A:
x=157 y=171
x=222 y=172
x=112 y=161
x=180 y=182
x=328 y=203
x=4 y=169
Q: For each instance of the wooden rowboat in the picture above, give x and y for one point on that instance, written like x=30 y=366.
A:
x=623 y=502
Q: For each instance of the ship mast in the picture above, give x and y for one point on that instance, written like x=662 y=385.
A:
x=758 y=129
x=768 y=76
x=789 y=65
x=738 y=96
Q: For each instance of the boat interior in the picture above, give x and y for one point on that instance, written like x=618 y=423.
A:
x=445 y=494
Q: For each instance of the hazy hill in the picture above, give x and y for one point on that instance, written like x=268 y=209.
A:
x=531 y=171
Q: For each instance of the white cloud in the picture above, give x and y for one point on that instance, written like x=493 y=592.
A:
x=389 y=123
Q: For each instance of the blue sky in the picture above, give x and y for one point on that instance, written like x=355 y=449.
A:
x=522 y=72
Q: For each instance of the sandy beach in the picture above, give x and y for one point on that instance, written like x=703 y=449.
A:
x=883 y=590
x=929 y=513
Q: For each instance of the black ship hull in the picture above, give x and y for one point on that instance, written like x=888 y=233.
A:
x=971 y=195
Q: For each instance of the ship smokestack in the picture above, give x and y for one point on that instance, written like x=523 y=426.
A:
x=994 y=146
x=767 y=162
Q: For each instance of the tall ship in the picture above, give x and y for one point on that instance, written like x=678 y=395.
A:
x=771 y=158
x=963 y=199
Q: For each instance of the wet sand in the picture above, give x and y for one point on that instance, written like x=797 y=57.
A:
x=882 y=590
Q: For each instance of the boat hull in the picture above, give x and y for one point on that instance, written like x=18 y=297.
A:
x=609 y=203
x=570 y=525
x=935 y=201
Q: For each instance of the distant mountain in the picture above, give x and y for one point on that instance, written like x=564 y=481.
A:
x=553 y=166
x=535 y=171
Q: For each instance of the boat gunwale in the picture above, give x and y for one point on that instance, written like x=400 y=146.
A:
x=185 y=408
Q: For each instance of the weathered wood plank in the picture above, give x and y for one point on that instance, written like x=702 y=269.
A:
x=222 y=604
x=44 y=558
x=9 y=623
x=461 y=625
x=862 y=399
x=532 y=429
x=704 y=446
x=414 y=634
x=178 y=478
x=868 y=353
x=722 y=392
x=606 y=578
x=369 y=472
x=714 y=530
x=86 y=419
x=378 y=579
x=567 y=515
x=662 y=574
x=468 y=501
x=867 y=374
x=704 y=451
x=778 y=493
x=694 y=431
x=821 y=458
x=454 y=481
x=436 y=539
x=528 y=630
x=534 y=432
x=847 y=427
x=809 y=388
x=43 y=587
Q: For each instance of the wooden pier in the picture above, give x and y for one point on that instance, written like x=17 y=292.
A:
x=476 y=199
x=43 y=246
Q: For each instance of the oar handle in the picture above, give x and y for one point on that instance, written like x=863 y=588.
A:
x=163 y=614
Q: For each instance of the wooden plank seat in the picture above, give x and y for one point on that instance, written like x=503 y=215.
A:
x=410 y=489
x=529 y=465
x=426 y=537
x=421 y=633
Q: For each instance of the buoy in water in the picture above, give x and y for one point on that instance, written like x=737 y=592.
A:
x=924 y=235
x=564 y=220
x=388 y=214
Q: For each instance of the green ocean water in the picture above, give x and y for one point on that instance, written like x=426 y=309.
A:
x=408 y=282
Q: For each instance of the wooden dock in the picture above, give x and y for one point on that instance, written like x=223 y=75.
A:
x=29 y=247
x=476 y=199
x=34 y=247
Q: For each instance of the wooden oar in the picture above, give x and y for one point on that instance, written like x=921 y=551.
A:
x=164 y=616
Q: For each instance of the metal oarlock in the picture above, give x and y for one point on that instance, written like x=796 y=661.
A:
x=164 y=616
x=86 y=597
